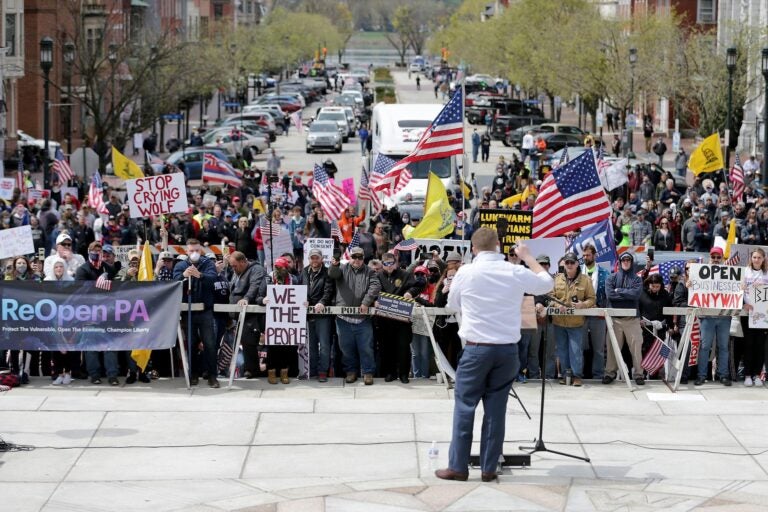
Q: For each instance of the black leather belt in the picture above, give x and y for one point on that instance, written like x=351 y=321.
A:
x=476 y=344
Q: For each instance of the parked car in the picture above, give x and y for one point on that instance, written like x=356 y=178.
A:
x=324 y=135
x=193 y=160
x=249 y=127
x=502 y=125
x=226 y=139
x=500 y=106
x=515 y=137
x=263 y=119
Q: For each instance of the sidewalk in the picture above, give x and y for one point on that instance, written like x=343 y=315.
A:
x=333 y=447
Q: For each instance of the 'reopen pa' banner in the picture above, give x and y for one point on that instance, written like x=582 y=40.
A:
x=75 y=315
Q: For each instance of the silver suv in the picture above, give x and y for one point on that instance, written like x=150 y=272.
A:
x=324 y=135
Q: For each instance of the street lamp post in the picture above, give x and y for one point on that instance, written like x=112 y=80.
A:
x=764 y=68
x=630 y=137
x=112 y=58
x=69 y=58
x=46 y=63
x=730 y=64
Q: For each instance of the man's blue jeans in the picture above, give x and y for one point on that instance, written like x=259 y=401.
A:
x=420 y=349
x=523 y=346
x=319 y=344
x=484 y=373
x=570 y=349
x=356 y=342
x=594 y=327
x=93 y=365
x=712 y=327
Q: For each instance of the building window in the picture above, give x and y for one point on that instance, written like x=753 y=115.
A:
x=705 y=11
x=94 y=41
x=10 y=34
x=218 y=11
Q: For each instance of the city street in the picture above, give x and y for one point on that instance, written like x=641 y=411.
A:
x=336 y=447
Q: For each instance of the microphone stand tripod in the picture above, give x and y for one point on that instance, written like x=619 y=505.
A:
x=539 y=445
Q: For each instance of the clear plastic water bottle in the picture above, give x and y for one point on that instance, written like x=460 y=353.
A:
x=433 y=451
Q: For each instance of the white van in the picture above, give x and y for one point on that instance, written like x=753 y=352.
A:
x=339 y=115
x=395 y=130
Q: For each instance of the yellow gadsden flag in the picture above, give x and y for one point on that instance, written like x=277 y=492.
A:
x=438 y=213
x=123 y=167
x=146 y=273
x=730 y=240
x=708 y=157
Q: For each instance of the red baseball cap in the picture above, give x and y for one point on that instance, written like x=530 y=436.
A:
x=716 y=250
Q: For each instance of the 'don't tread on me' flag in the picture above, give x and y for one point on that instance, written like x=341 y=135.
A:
x=571 y=197
x=708 y=157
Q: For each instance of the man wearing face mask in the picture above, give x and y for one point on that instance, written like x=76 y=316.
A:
x=203 y=274
x=92 y=270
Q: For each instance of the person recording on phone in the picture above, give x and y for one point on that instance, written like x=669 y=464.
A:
x=489 y=293
x=199 y=276
x=573 y=289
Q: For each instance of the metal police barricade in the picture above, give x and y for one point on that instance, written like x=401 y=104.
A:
x=422 y=312
x=606 y=313
x=691 y=315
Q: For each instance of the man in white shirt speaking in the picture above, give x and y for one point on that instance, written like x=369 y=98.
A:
x=489 y=294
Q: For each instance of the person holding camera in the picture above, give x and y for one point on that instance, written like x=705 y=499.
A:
x=573 y=290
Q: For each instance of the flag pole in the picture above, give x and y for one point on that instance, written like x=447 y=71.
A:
x=463 y=185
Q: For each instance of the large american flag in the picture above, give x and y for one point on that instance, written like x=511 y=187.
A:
x=61 y=167
x=366 y=194
x=737 y=179
x=571 y=197
x=665 y=268
x=443 y=138
x=331 y=197
x=96 y=195
x=656 y=356
x=216 y=170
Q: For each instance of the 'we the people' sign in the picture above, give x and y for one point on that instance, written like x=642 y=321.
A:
x=157 y=195
x=286 y=315
x=716 y=286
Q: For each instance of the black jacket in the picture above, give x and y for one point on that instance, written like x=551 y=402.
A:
x=399 y=282
x=320 y=288
x=87 y=272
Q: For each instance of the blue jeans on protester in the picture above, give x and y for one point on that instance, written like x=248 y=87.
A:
x=420 y=349
x=319 y=344
x=356 y=342
x=711 y=327
x=203 y=326
x=570 y=349
x=594 y=328
x=484 y=373
x=93 y=365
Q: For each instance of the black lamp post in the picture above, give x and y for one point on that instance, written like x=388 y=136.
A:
x=69 y=59
x=112 y=58
x=730 y=64
x=764 y=68
x=630 y=137
x=46 y=63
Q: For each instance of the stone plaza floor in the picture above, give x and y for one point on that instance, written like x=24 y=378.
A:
x=335 y=447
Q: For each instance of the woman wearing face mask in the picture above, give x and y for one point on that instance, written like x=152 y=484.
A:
x=446 y=327
x=23 y=270
x=428 y=275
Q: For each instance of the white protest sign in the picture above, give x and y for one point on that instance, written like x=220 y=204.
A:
x=121 y=252
x=443 y=247
x=286 y=315
x=16 y=242
x=281 y=243
x=552 y=247
x=758 y=317
x=6 y=188
x=157 y=195
x=716 y=286
x=209 y=199
x=324 y=244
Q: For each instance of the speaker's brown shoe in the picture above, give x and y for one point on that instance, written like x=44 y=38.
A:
x=488 y=477
x=449 y=474
x=272 y=376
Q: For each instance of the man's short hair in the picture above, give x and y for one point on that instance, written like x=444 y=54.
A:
x=238 y=256
x=94 y=245
x=485 y=239
x=193 y=241
x=588 y=247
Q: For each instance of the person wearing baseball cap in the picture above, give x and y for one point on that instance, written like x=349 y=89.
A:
x=573 y=289
x=319 y=296
x=623 y=289
x=72 y=260
x=164 y=267
x=714 y=327
x=356 y=286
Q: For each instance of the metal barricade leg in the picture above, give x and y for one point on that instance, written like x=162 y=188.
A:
x=682 y=349
x=184 y=360
x=236 y=348
x=435 y=348
x=617 y=352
